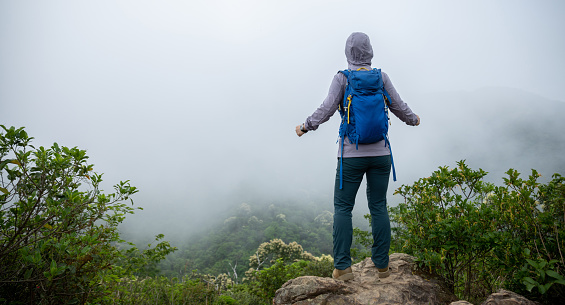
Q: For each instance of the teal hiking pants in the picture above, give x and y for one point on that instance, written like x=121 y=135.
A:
x=377 y=170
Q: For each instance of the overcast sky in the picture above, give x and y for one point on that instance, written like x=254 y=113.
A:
x=196 y=102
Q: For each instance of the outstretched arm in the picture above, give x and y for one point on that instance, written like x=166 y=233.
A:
x=327 y=108
x=397 y=106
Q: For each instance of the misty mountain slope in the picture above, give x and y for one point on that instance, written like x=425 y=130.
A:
x=494 y=129
x=237 y=234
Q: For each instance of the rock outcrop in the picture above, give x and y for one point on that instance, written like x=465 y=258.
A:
x=505 y=297
x=401 y=287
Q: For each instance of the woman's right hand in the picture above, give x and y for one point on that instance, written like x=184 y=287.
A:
x=299 y=131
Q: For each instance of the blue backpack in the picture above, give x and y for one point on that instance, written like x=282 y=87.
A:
x=364 y=111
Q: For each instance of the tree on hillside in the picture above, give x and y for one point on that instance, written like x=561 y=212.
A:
x=269 y=252
x=274 y=263
x=58 y=230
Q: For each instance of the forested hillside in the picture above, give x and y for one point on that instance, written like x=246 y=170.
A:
x=245 y=227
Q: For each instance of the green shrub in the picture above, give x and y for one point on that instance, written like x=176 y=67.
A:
x=479 y=237
x=532 y=227
x=58 y=231
x=264 y=283
x=225 y=300
x=161 y=290
x=57 y=228
x=244 y=296
x=322 y=266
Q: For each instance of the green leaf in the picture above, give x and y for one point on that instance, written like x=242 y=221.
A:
x=529 y=280
x=85 y=250
x=534 y=264
x=53 y=266
x=554 y=274
x=529 y=286
x=3 y=190
x=547 y=286
x=542 y=264
x=3 y=163
x=542 y=289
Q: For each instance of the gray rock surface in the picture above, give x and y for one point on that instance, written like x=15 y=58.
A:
x=505 y=297
x=401 y=287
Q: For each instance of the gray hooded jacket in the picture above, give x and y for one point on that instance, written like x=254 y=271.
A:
x=359 y=53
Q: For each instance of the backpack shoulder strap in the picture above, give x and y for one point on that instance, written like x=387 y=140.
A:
x=346 y=73
x=342 y=136
x=387 y=96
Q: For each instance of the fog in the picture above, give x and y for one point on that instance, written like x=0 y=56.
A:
x=195 y=102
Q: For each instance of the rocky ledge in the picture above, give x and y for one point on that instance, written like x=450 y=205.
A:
x=401 y=287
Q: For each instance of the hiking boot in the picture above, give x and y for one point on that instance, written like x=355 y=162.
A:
x=343 y=275
x=384 y=272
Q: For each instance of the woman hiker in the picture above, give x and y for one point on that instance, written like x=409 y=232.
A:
x=372 y=160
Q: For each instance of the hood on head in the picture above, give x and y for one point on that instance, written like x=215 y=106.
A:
x=358 y=50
